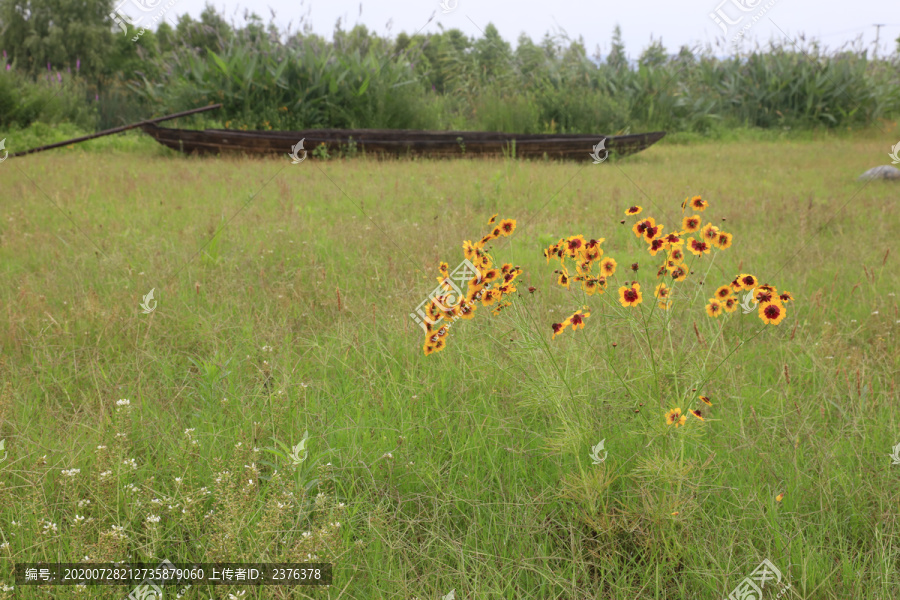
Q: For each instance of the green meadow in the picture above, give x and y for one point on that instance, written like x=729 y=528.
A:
x=281 y=305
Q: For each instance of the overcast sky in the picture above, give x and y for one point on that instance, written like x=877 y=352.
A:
x=687 y=22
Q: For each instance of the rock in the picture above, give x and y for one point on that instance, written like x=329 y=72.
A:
x=882 y=172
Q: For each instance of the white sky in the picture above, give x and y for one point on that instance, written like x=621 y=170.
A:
x=834 y=22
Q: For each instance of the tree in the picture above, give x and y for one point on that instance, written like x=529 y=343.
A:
x=617 y=59
x=60 y=33
x=492 y=54
x=653 y=55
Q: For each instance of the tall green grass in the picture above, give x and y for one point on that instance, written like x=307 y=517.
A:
x=468 y=469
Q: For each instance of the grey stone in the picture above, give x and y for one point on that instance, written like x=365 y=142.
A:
x=882 y=172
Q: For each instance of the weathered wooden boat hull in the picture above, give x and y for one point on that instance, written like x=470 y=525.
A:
x=401 y=142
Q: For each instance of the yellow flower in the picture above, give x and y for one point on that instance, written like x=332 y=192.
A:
x=675 y=417
x=630 y=296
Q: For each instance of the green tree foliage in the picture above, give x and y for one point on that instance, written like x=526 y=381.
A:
x=61 y=33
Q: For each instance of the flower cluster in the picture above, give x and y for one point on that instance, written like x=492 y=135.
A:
x=694 y=236
x=488 y=285
x=674 y=416
x=770 y=302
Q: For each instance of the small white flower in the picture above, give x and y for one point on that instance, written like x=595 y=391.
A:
x=178 y=480
x=6 y=588
x=48 y=527
x=267 y=348
x=101 y=447
x=71 y=472
x=79 y=518
x=130 y=462
x=853 y=320
x=189 y=431
x=249 y=482
x=156 y=501
x=388 y=456
x=874 y=312
x=340 y=505
x=304 y=385
x=121 y=435
x=83 y=503
x=123 y=402
x=336 y=525
x=4 y=546
x=105 y=474
x=306 y=534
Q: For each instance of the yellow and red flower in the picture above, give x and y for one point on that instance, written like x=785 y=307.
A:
x=698 y=203
x=710 y=233
x=608 y=266
x=772 y=313
x=698 y=247
x=723 y=241
x=630 y=296
x=714 y=308
x=747 y=281
x=674 y=417
x=691 y=224
x=507 y=226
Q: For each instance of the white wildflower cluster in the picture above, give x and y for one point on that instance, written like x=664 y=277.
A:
x=49 y=527
x=130 y=462
x=105 y=474
x=118 y=532
x=190 y=436
x=84 y=502
x=71 y=472
x=79 y=519
x=153 y=519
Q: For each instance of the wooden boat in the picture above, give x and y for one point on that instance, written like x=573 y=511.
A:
x=400 y=142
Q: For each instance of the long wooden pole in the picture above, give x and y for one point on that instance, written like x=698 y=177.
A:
x=118 y=129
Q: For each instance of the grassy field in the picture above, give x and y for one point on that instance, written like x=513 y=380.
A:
x=468 y=469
